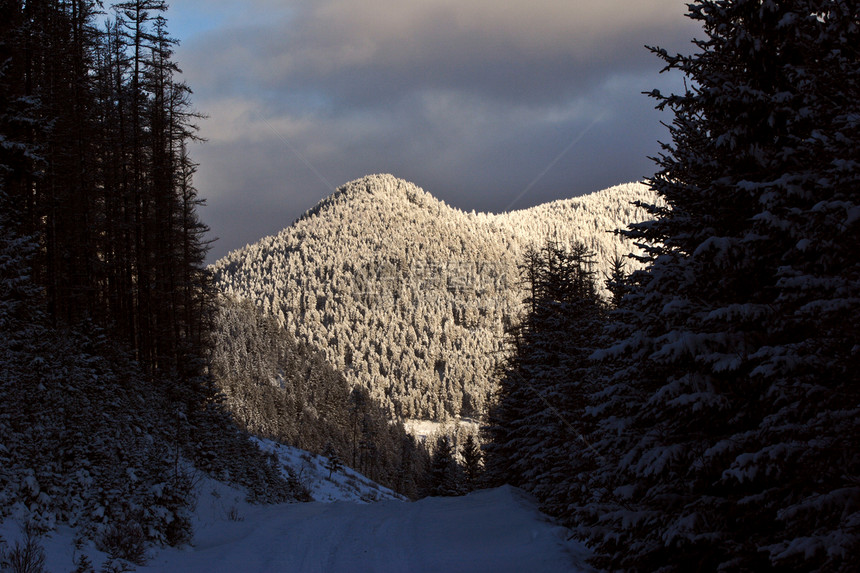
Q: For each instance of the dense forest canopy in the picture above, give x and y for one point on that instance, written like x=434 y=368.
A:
x=280 y=388
x=408 y=296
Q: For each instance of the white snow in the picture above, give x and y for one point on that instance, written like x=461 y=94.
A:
x=425 y=430
x=344 y=485
x=494 y=530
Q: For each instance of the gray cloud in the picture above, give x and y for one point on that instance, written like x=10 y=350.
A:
x=472 y=100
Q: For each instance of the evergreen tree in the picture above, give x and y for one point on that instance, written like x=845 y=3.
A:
x=94 y=128
x=19 y=296
x=616 y=280
x=22 y=121
x=445 y=474
x=472 y=461
x=333 y=464
x=537 y=422
x=411 y=475
x=730 y=426
x=103 y=297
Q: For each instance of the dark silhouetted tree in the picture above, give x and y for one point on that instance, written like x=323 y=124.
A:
x=445 y=475
x=473 y=464
x=731 y=427
x=536 y=425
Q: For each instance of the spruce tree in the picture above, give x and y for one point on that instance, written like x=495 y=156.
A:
x=445 y=475
x=333 y=463
x=730 y=426
x=472 y=461
x=538 y=421
x=616 y=280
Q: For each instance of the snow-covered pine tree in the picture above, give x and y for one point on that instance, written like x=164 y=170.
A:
x=736 y=443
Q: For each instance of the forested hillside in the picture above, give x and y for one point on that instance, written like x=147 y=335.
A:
x=277 y=387
x=408 y=296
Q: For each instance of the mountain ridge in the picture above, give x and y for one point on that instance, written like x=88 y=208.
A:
x=409 y=296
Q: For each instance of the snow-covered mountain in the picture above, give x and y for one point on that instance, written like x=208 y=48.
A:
x=409 y=296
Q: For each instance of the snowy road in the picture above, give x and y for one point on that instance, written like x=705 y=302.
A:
x=495 y=530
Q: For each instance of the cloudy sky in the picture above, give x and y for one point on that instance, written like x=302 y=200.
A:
x=488 y=105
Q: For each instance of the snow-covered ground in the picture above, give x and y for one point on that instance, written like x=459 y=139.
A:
x=426 y=430
x=312 y=472
x=494 y=530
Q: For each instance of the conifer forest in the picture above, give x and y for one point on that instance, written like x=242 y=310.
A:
x=668 y=370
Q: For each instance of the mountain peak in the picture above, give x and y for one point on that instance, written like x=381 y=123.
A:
x=377 y=183
x=385 y=185
x=378 y=188
x=408 y=296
